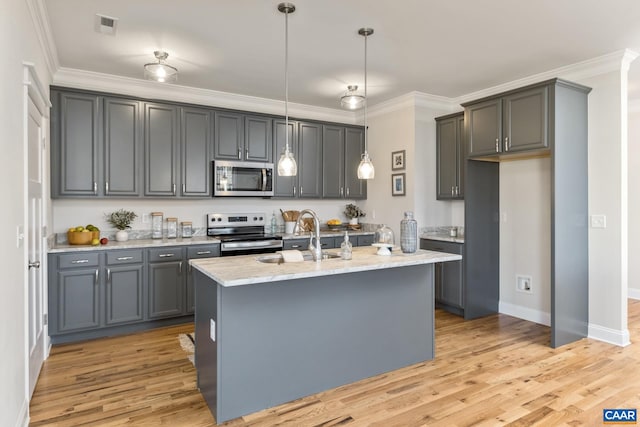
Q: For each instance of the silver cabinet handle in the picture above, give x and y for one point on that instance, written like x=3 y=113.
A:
x=79 y=261
x=173 y=187
x=294 y=191
x=246 y=153
x=106 y=187
x=184 y=188
x=506 y=143
x=180 y=267
x=296 y=246
x=347 y=191
x=95 y=187
x=166 y=255
x=301 y=190
x=35 y=264
x=497 y=145
x=239 y=154
x=124 y=258
x=341 y=191
x=108 y=275
x=96 y=282
x=453 y=191
x=203 y=252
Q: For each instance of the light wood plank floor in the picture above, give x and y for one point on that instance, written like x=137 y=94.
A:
x=488 y=372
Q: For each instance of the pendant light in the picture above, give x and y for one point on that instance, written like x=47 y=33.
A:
x=159 y=71
x=365 y=168
x=352 y=100
x=287 y=164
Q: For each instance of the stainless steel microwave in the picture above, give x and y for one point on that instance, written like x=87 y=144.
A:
x=231 y=178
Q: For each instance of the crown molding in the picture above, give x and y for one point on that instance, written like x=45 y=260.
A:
x=89 y=80
x=614 y=61
x=412 y=100
x=40 y=19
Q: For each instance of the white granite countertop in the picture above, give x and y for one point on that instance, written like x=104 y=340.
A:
x=247 y=270
x=442 y=237
x=134 y=244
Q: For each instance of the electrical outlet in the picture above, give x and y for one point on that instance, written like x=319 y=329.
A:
x=373 y=214
x=145 y=218
x=524 y=284
x=598 y=221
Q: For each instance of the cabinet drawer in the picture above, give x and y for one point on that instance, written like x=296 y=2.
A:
x=166 y=254
x=366 y=240
x=124 y=257
x=299 y=244
x=329 y=242
x=440 y=246
x=78 y=259
x=203 y=251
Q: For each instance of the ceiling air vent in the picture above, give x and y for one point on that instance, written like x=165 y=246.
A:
x=106 y=24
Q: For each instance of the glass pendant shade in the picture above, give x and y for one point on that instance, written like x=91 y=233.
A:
x=159 y=71
x=287 y=165
x=352 y=100
x=365 y=168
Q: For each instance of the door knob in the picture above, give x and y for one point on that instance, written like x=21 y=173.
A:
x=35 y=264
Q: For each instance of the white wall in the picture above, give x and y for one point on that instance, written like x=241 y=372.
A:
x=525 y=238
x=18 y=43
x=634 y=199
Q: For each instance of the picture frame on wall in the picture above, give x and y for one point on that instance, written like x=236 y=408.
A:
x=397 y=160
x=398 y=184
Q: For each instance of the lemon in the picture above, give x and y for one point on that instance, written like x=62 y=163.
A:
x=85 y=231
x=95 y=242
x=72 y=229
x=79 y=228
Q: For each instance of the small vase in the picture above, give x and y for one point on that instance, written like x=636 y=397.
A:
x=353 y=221
x=122 y=236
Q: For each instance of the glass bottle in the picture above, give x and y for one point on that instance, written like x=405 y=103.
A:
x=346 y=247
x=274 y=223
x=408 y=233
x=172 y=228
x=187 y=229
x=156 y=225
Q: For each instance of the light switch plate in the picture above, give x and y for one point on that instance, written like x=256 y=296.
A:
x=598 y=221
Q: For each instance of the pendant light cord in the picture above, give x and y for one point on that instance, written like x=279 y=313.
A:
x=366 y=130
x=286 y=81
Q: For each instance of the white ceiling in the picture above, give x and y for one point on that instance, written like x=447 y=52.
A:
x=439 y=47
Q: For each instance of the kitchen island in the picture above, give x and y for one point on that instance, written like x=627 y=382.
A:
x=270 y=333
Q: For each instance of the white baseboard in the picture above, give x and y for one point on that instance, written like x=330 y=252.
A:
x=23 y=416
x=633 y=293
x=525 y=313
x=608 y=335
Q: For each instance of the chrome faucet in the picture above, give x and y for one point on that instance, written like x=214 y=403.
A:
x=316 y=251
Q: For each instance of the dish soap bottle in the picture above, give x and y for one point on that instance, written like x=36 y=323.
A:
x=274 y=223
x=345 y=247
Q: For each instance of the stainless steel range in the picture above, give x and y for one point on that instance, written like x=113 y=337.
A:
x=242 y=233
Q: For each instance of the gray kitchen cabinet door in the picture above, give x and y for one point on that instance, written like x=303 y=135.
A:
x=484 y=128
x=257 y=133
x=166 y=289
x=462 y=156
x=330 y=242
x=123 y=294
x=122 y=148
x=451 y=293
x=196 y=152
x=298 y=244
x=285 y=186
x=363 y=240
x=446 y=158
x=333 y=162
x=526 y=118
x=355 y=188
x=229 y=136
x=77 y=300
x=160 y=149
x=75 y=144
x=310 y=160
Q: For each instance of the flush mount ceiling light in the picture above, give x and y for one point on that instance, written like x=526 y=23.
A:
x=352 y=100
x=365 y=168
x=287 y=164
x=159 y=71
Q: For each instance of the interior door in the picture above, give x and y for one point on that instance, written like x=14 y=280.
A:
x=35 y=237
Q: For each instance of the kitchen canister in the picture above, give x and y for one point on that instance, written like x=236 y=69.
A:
x=172 y=228
x=408 y=233
x=187 y=229
x=156 y=225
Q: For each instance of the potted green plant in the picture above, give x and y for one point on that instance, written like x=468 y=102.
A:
x=121 y=220
x=353 y=212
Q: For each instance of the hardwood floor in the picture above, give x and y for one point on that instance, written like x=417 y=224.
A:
x=488 y=372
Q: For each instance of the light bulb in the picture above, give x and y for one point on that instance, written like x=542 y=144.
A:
x=161 y=73
x=287 y=164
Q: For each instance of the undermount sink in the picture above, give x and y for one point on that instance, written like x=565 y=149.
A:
x=277 y=258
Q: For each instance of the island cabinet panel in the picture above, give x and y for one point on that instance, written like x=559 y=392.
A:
x=122 y=131
x=204 y=251
x=166 y=282
x=161 y=150
x=264 y=344
x=196 y=152
x=285 y=186
x=450 y=157
x=75 y=144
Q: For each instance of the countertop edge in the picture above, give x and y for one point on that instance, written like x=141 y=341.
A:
x=134 y=244
x=442 y=238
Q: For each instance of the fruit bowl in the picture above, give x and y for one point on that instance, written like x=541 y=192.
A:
x=82 y=237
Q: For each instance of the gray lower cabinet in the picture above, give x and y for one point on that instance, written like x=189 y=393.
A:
x=449 y=283
x=450 y=157
x=124 y=288
x=516 y=121
x=166 y=277
x=328 y=242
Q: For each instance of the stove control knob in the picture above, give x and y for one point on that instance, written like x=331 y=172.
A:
x=261 y=218
x=219 y=219
x=255 y=218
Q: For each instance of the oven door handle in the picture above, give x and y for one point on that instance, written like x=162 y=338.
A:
x=264 y=179
x=262 y=244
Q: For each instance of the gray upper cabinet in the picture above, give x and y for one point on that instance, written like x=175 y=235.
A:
x=332 y=162
x=229 y=136
x=450 y=157
x=310 y=160
x=514 y=122
x=285 y=186
x=122 y=148
x=257 y=134
x=355 y=188
x=75 y=144
x=196 y=152
x=160 y=149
